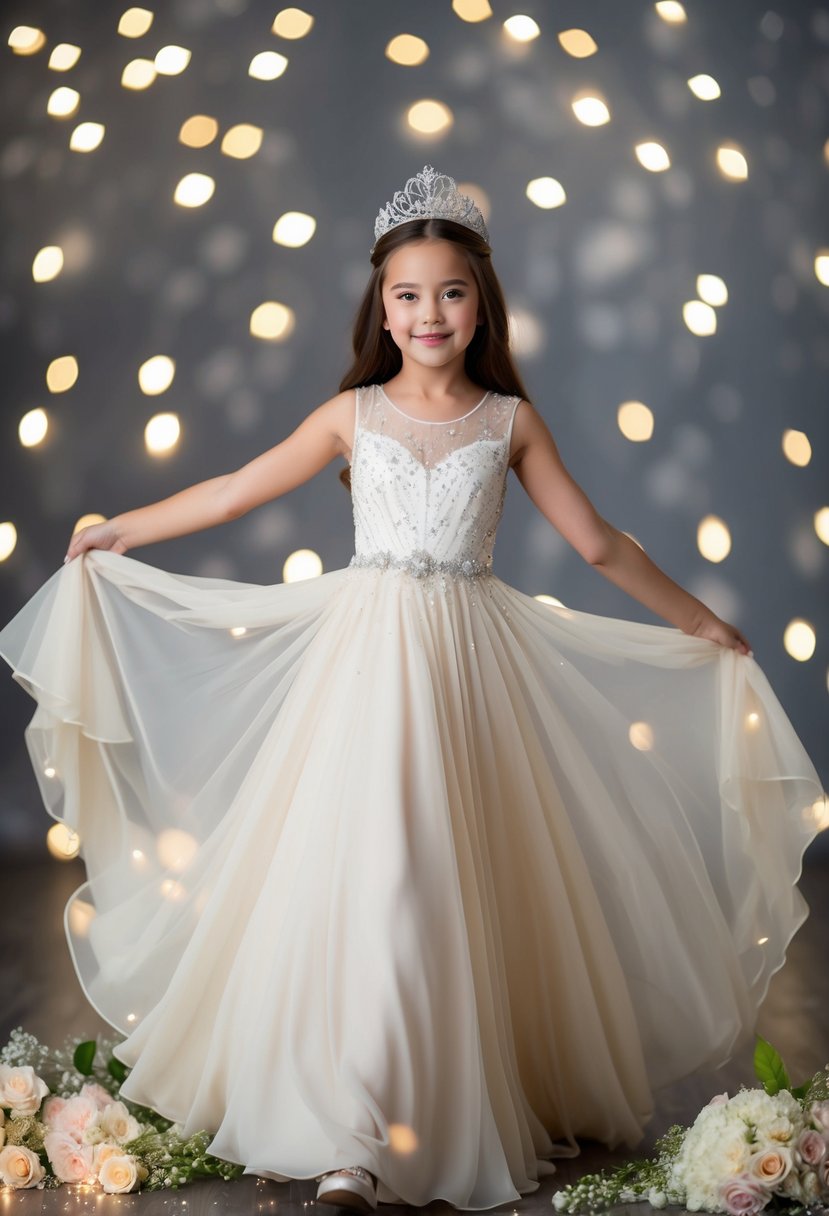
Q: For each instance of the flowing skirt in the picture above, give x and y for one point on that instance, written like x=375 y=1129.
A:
x=418 y=874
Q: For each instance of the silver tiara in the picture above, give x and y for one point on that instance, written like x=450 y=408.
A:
x=430 y=195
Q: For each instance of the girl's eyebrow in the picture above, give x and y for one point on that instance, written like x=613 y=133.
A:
x=445 y=283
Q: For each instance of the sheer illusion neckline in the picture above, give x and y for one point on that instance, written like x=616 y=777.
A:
x=433 y=421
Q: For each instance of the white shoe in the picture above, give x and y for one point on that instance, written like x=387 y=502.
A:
x=352 y=1187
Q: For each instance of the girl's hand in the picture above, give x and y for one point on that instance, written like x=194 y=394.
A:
x=95 y=536
x=716 y=630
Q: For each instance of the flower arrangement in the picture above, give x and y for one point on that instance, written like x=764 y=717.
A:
x=61 y=1121
x=760 y=1149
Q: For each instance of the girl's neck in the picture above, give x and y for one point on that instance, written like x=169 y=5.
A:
x=433 y=391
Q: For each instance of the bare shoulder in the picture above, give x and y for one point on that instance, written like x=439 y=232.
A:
x=528 y=428
x=337 y=415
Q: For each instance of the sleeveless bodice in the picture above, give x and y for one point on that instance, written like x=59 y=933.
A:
x=428 y=495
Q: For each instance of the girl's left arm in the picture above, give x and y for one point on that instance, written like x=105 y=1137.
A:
x=541 y=471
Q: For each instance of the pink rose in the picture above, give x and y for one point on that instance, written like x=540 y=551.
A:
x=50 y=1108
x=812 y=1147
x=73 y=1116
x=100 y=1096
x=744 y=1195
x=770 y=1165
x=819 y=1114
x=719 y=1100
x=72 y=1162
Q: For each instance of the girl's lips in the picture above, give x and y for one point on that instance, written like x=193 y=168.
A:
x=431 y=339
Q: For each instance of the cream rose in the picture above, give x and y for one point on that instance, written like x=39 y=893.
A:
x=770 y=1165
x=119 y=1173
x=21 y=1089
x=118 y=1123
x=819 y=1114
x=20 y=1167
x=72 y=1162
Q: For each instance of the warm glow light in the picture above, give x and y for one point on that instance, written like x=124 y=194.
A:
x=242 y=141
x=62 y=842
x=138 y=74
x=635 y=421
x=471 y=10
x=81 y=915
x=155 y=375
x=526 y=333
x=799 y=639
x=292 y=23
x=671 y=11
x=238 y=631
x=26 y=40
x=63 y=102
x=194 y=190
x=198 y=131
x=521 y=28
x=822 y=267
x=732 y=163
x=135 y=22
x=577 y=43
x=87 y=136
x=713 y=538
x=85 y=521
x=429 y=117
x=546 y=192
x=161 y=434
x=176 y=848
x=61 y=374
x=408 y=50
x=796 y=447
x=551 y=600
x=590 y=110
x=32 y=427
x=272 y=321
x=301 y=564
x=704 y=87
x=294 y=229
x=8 y=539
x=652 y=156
x=402 y=1138
x=700 y=318
x=48 y=263
x=171 y=60
x=267 y=65
x=712 y=289
x=822 y=524
x=173 y=890
x=817 y=813
x=64 y=57
x=641 y=736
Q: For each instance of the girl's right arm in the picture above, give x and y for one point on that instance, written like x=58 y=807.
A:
x=307 y=450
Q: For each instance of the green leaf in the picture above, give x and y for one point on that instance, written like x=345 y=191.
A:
x=84 y=1055
x=769 y=1068
x=802 y=1090
x=117 y=1068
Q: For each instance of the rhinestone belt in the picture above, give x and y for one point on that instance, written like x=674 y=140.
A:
x=420 y=564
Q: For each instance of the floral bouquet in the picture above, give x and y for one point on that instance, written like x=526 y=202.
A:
x=61 y=1121
x=762 y=1148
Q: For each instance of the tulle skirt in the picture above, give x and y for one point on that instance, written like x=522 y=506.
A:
x=420 y=874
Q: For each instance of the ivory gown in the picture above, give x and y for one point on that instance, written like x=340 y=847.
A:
x=399 y=866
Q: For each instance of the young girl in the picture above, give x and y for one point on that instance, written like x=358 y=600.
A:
x=398 y=878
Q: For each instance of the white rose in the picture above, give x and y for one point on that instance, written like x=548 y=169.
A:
x=21 y=1089
x=119 y=1173
x=657 y=1199
x=117 y=1122
x=20 y=1167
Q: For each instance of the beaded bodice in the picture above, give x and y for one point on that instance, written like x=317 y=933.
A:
x=428 y=495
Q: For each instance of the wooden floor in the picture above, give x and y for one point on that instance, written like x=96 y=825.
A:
x=40 y=992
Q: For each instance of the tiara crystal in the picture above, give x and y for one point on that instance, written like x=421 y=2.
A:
x=430 y=195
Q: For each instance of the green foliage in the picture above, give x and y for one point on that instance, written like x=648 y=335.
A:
x=769 y=1068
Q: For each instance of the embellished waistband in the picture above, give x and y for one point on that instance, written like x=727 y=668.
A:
x=421 y=564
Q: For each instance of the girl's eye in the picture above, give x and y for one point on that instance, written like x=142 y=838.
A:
x=403 y=294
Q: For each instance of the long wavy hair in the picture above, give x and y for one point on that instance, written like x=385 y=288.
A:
x=488 y=361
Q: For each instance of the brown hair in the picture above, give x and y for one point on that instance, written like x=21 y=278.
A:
x=488 y=361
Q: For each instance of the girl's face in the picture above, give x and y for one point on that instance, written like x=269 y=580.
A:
x=428 y=289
